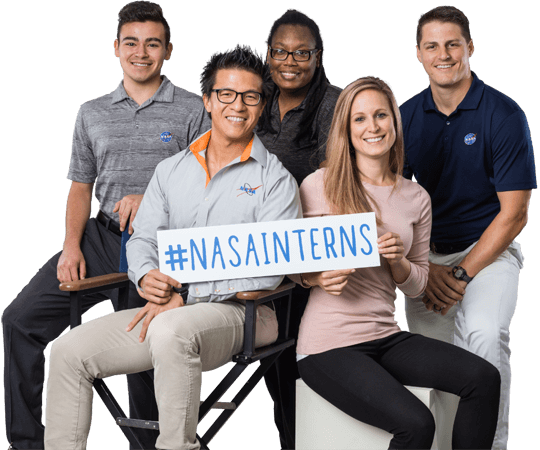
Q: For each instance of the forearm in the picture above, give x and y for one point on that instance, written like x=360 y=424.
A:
x=401 y=270
x=77 y=212
x=494 y=241
x=152 y=215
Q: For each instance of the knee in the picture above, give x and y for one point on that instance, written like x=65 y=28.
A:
x=8 y=317
x=484 y=378
x=162 y=337
x=416 y=430
x=15 y=314
x=65 y=358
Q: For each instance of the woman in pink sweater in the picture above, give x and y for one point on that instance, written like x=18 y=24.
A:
x=350 y=348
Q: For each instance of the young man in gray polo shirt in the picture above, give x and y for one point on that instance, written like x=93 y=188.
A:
x=182 y=336
x=118 y=141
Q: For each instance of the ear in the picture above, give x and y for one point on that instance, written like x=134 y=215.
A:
x=470 y=46
x=418 y=55
x=206 y=101
x=116 y=49
x=169 y=51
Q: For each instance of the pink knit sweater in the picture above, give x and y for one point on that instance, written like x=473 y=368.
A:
x=365 y=309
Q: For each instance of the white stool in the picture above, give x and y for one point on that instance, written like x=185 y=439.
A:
x=321 y=426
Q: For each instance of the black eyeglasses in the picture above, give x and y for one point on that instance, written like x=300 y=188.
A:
x=228 y=96
x=298 y=55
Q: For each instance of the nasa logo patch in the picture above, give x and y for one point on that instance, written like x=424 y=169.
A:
x=470 y=139
x=166 y=136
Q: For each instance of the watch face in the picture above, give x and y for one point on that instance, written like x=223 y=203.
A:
x=458 y=273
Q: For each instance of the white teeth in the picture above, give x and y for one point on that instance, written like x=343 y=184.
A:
x=235 y=119
x=140 y=65
x=447 y=66
x=377 y=139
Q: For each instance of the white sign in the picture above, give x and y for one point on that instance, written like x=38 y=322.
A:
x=269 y=248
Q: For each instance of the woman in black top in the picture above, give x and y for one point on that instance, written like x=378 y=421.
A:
x=294 y=126
x=295 y=122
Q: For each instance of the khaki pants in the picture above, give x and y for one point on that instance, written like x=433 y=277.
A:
x=180 y=344
x=481 y=322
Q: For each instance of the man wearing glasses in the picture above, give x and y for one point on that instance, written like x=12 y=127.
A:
x=182 y=336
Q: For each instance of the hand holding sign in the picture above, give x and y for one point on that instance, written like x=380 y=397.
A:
x=391 y=247
x=332 y=281
x=156 y=287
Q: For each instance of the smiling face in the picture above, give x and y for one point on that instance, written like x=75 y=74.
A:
x=291 y=75
x=444 y=53
x=372 y=129
x=141 y=49
x=234 y=121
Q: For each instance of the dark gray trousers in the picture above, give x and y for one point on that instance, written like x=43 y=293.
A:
x=38 y=315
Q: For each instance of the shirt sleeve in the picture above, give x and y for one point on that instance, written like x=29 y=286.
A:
x=512 y=155
x=82 y=167
x=282 y=202
x=152 y=216
x=418 y=255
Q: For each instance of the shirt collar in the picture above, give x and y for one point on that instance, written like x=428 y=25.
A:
x=471 y=100
x=300 y=107
x=165 y=92
x=255 y=149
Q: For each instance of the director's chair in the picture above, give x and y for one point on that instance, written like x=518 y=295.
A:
x=267 y=355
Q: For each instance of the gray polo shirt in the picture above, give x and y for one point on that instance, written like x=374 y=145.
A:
x=117 y=144
x=182 y=195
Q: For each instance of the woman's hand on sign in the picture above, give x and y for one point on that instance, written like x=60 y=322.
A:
x=391 y=247
x=332 y=281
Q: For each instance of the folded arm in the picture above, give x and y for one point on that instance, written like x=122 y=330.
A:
x=443 y=289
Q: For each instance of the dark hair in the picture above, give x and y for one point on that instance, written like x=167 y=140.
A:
x=243 y=58
x=319 y=83
x=143 y=12
x=444 y=14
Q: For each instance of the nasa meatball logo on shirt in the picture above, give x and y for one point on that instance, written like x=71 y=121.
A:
x=470 y=139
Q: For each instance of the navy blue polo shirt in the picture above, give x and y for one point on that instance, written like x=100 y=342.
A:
x=464 y=159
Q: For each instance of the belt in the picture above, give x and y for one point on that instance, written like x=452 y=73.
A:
x=109 y=224
x=448 y=249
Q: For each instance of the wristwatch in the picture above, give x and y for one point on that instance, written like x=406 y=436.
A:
x=182 y=290
x=461 y=274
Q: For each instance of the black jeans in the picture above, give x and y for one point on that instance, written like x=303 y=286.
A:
x=366 y=381
x=38 y=315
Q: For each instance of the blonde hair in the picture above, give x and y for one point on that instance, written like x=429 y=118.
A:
x=343 y=187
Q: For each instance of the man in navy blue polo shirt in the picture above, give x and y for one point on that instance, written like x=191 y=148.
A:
x=469 y=146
